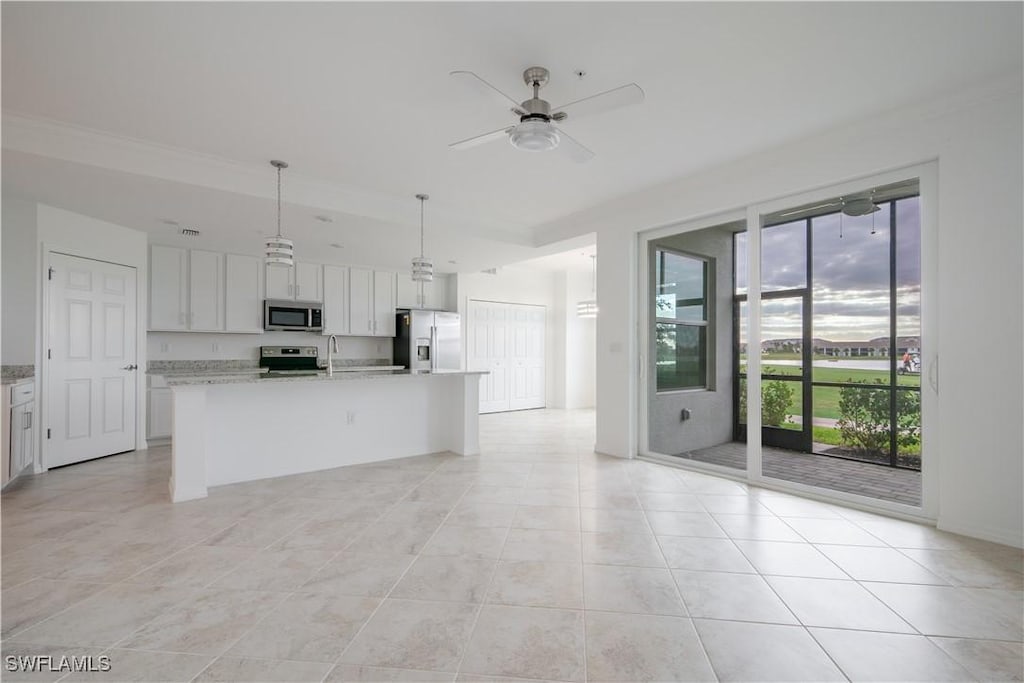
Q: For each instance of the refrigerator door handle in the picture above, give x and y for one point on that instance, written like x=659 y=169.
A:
x=433 y=348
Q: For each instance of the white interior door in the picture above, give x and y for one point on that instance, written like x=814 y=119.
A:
x=487 y=349
x=526 y=351
x=91 y=386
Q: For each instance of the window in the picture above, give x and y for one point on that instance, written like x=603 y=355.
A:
x=680 y=320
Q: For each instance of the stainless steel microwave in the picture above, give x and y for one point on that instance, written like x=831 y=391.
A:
x=301 y=316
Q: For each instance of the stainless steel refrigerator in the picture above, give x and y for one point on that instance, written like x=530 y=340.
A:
x=428 y=340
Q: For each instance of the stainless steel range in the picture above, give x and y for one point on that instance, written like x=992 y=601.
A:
x=289 y=360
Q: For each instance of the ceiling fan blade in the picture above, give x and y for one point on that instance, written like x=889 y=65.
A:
x=481 y=139
x=480 y=85
x=572 y=148
x=810 y=208
x=606 y=101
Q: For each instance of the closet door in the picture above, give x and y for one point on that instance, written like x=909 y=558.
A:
x=526 y=356
x=487 y=333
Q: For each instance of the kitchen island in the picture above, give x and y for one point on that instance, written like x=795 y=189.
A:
x=236 y=428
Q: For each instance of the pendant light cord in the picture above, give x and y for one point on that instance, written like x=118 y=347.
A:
x=278 y=201
x=421 y=226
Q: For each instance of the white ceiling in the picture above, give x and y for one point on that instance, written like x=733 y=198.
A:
x=358 y=99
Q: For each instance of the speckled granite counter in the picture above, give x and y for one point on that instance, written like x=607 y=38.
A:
x=9 y=374
x=321 y=376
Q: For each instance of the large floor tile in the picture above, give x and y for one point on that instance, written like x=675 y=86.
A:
x=207 y=624
x=742 y=651
x=413 y=634
x=482 y=514
x=737 y=597
x=137 y=665
x=867 y=656
x=276 y=570
x=238 y=670
x=30 y=603
x=475 y=542
x=527 y=642
x=987 y=660
x=947 y=611
x=635 y=550
x=614 y=521
x=542 y=546
x=306 y=627
x=321 y=534
x=633 y=647
x=789 y=559
x=359 y=574
x=837 y=604
x=108 y=616
x=993 y=569
x=879 y=564
x=197 y=566
x=455 y=579
x=833 y=531
x=700 y=524
x=637 y=590
x=354 y=673
x=707 y=554
x=547 y=517
x=756 y=527
x=394 y=537
x=537 y=584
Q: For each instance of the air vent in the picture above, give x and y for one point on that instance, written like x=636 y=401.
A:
x=190 y=232
x=490 y=271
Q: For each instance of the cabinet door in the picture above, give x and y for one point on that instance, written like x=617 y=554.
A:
x=279 y=282
x=360 y=297
x=21 y=438
x=384 y=286
x=243 y=304
x=168 y=288
x=206 y=291
x=159 y=418
x=28 y=446
x=336 y=320
x=309 y=282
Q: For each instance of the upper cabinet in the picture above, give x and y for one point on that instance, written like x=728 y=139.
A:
x=372 y=302
x=301 y=282
x=434 y=292
x=336 y=300
x=168 y=288
x=243 y=285
x=206 y=291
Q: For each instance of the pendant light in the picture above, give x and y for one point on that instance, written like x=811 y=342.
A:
x=588 y=307
x=280 y=251
x=422 y=267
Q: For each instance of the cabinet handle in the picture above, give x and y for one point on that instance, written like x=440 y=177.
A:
x=28 y=421
x=290 y=288
x=298 y=288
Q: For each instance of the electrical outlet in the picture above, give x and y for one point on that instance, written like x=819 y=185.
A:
x=350 y=417
x=164 y=347
x=685 y=415
x=216 y=347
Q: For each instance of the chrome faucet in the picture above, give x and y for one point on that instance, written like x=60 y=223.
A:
x=332 y=348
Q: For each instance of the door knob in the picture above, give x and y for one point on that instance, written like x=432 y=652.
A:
x=130 y=367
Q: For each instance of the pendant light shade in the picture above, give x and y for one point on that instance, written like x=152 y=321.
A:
x=588 y=307
x=279 y=250
x=422 y=267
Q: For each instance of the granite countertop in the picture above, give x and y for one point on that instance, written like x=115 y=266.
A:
x=322 y=376
x=12 y=374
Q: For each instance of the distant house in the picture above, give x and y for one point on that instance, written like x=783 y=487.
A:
x=873 y=348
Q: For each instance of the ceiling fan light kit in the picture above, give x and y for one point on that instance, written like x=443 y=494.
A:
x=536 y=130
x=279 y=250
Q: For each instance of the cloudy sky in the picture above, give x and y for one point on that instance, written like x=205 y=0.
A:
x=850 y=276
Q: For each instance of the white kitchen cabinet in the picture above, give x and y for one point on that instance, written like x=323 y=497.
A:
x=159 y=421
x=435 y=293
x=336 y=300
x=301 y=282
x=168 y=288
x=206 y=291
x=360 y=297
x=19 y=429
x=385 y=285
x=243 y=285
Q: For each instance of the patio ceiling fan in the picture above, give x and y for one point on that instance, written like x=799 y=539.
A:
x=853 y=205
x=536 y=130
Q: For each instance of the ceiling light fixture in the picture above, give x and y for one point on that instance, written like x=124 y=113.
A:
x=534 y=136
x=280 y=251
x=422 y=267
x=588 y=307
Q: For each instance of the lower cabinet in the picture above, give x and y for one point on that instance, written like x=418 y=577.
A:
x=158 y=414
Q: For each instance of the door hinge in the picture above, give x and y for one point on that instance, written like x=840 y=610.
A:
x=49 y=353
x=47 y=433
x=49 y=273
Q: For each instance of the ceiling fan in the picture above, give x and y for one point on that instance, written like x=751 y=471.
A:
x=536 y=130
x=856 y=205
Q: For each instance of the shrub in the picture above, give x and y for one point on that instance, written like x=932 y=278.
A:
x=775 y=399
x=864 y=418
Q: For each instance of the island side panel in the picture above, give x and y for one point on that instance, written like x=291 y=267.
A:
x=188 y=443
x=465 y=415
x=260 y=430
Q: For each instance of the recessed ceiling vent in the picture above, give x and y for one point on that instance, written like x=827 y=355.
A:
x=190 y=232
x=490 y=271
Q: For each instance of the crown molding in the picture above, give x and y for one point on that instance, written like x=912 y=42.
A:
x=90 y=147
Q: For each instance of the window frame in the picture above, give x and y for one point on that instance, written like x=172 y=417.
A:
x=708 y=265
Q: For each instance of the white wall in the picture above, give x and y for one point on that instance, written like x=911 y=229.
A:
x=976 y=138
x=202 y=346
x=519 y=285
x=18 y=236
x=78 y=235
x=580 y=343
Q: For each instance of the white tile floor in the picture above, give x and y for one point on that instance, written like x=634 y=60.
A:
x=537 y=560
